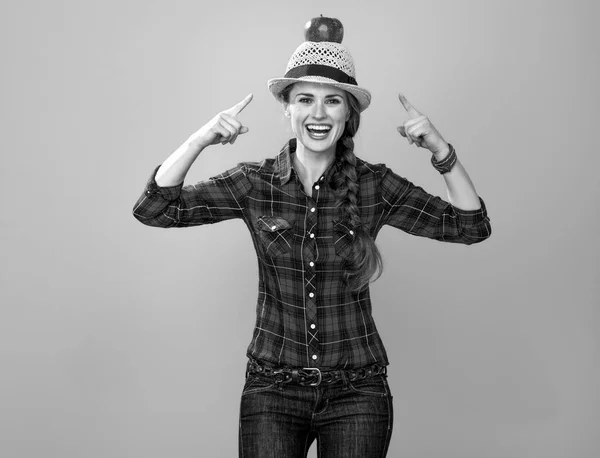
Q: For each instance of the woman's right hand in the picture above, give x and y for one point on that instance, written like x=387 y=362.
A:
x=223 y=128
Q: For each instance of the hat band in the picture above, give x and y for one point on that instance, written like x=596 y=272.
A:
x=321 y=70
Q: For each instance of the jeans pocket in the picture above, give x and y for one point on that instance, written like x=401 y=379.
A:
x=255 y=384
x=372 y=386
x=276 y=234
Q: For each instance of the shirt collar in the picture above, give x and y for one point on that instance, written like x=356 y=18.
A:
x=285 y=166
x=284 y=161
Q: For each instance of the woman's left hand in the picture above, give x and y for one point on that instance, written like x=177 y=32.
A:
x=419 y=130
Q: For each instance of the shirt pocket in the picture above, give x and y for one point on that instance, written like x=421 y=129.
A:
x=276 y=234
x=343 y=238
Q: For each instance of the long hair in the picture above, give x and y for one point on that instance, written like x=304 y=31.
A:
x=364 y=263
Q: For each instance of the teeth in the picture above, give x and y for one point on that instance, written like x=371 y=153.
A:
x=318 y=127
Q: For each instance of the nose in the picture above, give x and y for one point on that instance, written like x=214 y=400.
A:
x=319 y=110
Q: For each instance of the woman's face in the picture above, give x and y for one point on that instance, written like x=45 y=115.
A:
x=318 y=115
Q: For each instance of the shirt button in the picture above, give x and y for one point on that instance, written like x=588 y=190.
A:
x=311 y=295
x=313 y=209
x=314 y=356
x=317 y=187
x=312 y=236
x=351 y=232
x=313 y=326
x=312 y=264
x=273 y=228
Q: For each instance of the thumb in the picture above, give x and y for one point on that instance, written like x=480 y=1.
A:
x=402 y=131
x=243 y=130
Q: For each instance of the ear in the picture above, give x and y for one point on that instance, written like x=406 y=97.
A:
x=286 y=109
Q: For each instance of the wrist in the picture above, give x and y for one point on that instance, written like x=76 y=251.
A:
x=445 y=164
x=442 y=152
x=195 y=145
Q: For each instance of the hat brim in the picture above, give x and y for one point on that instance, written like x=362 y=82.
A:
x=276 y=85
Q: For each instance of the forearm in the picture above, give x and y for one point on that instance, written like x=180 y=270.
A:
x=419 y=130
x=174 y=169
x=223 y=128
x=461 y=192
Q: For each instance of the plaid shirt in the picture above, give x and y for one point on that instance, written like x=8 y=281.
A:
x=305 y=317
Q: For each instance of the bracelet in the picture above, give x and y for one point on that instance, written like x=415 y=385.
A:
x=446 y=164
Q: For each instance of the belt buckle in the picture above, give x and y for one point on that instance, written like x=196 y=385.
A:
x=319 y=376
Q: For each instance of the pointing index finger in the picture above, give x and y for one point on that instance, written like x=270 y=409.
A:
x=238 y=107
x=412 y=111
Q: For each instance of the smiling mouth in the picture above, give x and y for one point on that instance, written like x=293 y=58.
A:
x=318 y=131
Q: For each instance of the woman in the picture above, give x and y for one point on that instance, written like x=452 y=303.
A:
x=317 y=366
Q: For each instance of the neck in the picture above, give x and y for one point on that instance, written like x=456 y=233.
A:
x=310 y=165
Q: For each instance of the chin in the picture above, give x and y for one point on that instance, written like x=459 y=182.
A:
x=318 y=146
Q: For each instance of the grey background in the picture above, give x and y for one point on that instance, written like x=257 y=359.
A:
x=119 y=340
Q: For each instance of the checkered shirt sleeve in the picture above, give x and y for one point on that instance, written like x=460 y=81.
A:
x=413 y=210
x=218 y=199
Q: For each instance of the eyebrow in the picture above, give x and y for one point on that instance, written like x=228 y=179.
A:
x=303 y=94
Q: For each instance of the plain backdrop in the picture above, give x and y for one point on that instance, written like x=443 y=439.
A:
x=120 y=340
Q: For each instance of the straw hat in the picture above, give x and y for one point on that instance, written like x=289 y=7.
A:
x=324 y=62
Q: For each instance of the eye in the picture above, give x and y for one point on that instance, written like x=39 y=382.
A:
x=304 y=100
x=334 y=101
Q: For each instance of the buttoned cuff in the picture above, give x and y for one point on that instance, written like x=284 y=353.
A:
x=166 y=192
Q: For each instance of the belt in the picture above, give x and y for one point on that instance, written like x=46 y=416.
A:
x=312 y=376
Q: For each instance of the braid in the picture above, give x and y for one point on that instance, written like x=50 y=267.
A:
x=348 y=186
x=364 y=264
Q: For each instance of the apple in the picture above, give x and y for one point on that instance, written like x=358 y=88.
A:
x=324 y=29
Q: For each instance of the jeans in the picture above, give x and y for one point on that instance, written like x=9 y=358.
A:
x=348 y=419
